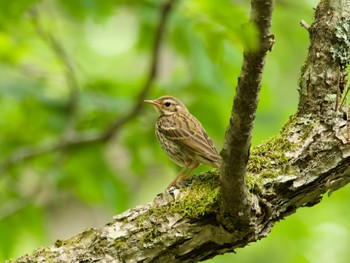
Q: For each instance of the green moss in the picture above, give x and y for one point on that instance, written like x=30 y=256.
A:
x=269 y=174
x=252 y=180
x=59 y=243
x=201 y=196
x=308 y=129
x=197 y=198
x=140 y=220
x=270 y=159
x=118 y=244
x=149 y=222
x=269 y=155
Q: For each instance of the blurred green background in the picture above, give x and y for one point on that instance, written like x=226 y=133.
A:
x=101 y=50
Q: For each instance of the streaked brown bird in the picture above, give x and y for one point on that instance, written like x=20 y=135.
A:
x=182 y=137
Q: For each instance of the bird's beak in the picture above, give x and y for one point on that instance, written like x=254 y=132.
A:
x=152 y=102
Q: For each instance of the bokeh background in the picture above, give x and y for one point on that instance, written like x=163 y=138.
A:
x=71 y=68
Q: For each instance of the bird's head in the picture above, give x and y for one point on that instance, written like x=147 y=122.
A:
x=167 y=105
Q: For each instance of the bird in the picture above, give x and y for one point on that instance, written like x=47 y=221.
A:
x=182 y=137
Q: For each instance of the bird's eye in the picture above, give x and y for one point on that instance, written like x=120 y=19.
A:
x=167 y=103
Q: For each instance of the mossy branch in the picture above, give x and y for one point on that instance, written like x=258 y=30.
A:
x=292 y=170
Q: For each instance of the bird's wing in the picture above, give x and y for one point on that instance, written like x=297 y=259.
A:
x=189 y=133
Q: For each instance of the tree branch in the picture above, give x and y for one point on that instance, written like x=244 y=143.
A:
x=234 y=203
x=182 y=225
x=304 y=24
x=83 y=138
x=324 y=73
x=63 y=56
x=164 y=14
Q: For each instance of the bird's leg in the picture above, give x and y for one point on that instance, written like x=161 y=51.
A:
x=178 y=175
x=189 y=171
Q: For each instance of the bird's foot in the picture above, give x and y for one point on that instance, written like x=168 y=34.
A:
x=176 y=184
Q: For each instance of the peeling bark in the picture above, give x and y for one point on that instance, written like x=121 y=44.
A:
x=310 y=157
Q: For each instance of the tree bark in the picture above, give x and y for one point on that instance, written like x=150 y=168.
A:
x=310 y=157
x=235 y=152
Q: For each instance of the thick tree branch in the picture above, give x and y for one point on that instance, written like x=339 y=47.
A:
x=324 y=73
x=288 y=172
x=83 y=138
x=234 y=203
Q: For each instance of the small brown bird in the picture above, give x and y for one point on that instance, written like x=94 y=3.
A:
x=182 y=137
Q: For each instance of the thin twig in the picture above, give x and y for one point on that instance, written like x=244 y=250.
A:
x=164 y=14
x=65 y=58
x=30 y=152
x=305 y=25
x=83 y=138
x=11 y=207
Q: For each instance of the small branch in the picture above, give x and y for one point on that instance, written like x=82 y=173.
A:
x=28 y=153
x=164 y=14
x=78 y=139
x=234 y=206
x=11 y=207
x=305 y=25
x=64 y=57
